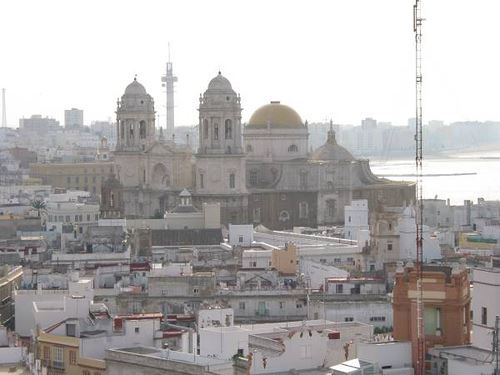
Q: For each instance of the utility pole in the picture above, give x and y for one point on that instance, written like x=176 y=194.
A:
x=496 y=371
x=419 y=217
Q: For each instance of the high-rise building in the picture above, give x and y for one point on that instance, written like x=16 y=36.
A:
x=73 y=117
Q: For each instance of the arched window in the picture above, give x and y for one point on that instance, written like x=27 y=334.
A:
x=303 y=210
x=249 y=148
x=216 y=131
x=232 y=181
x=205 y=128
x=122 y=129
x=142 y=129
x=293 y=148
x=330 y=204
x=228 y=129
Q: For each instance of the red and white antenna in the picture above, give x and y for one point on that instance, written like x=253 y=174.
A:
x=419 y=217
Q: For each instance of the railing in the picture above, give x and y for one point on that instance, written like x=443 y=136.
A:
x=58 y=364
x=264 y=312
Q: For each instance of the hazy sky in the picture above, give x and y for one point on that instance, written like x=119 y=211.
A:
x=345 y=59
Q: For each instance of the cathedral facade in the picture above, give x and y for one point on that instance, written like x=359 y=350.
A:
x=261 y=172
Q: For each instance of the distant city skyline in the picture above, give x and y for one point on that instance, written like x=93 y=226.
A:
x=339 y=60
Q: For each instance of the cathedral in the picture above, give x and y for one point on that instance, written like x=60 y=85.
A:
x=261 y=172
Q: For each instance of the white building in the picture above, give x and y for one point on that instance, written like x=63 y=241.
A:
x=240 y=235
x=355 y=218
x=407 y=233
x=316 y=273
x=73 y=117
x=287 y=345
x=215 y=316
x=33 y=306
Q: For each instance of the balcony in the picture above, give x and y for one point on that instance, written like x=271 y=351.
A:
x=262 y=312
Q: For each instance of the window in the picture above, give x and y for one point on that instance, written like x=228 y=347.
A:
x=254 y=264
x=58 y=359
x=76 y=217
x=202 y=184
x=232 y=181
x=205 y=128
x=253 y=178
x=337 y=260
x=241 y=305
x=484 y=315
x=88 y=217
x=284 y=216
x=377 y=319
x=46 y=352
x=96 y=217
x=389 y=246
x=303 y=179
x=216 y=132
x=142 y=129
x=68 y=180
x=86 y=372
x=330 y=204
x=293 y=148
x=77 y=180
x=122 y=130
x=71 y=330
x=68 y=219
x=72 y=357
x=349 y=219
x=196 y=290
x=228 y=129
x=303 y=210
x=240 y=239
x=298 y=305
x=249 y=148
x=256 y=215
x=282 y=305
x=348 y=319
x=339 y=288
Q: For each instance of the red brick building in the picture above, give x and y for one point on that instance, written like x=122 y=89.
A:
x=446 y=297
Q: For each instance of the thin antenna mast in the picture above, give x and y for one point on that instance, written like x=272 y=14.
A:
x=4 y=110
x=417 y=29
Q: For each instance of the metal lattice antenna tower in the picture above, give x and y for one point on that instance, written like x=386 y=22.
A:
x=4 y=110
x=168 y=81
x=417 y=29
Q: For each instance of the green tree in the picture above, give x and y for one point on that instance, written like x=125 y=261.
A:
x=38 y=205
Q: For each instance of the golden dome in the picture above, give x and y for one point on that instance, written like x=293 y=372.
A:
x=277 y=115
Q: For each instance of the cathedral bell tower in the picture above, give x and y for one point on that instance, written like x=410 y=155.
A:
x=220 y=161
x=135 y=119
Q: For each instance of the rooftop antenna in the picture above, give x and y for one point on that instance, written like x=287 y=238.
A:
x=168 y=81
x=419 y=217
x=4 y=110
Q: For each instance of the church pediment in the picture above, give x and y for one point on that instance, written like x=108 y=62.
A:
x=158 y=148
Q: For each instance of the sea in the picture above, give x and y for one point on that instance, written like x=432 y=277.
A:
x=458 y=176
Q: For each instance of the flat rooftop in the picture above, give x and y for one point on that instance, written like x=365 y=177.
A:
x=170 y=355
x=464 y=353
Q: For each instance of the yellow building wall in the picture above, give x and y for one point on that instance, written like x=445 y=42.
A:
x=73 y=363
x=285 y=260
